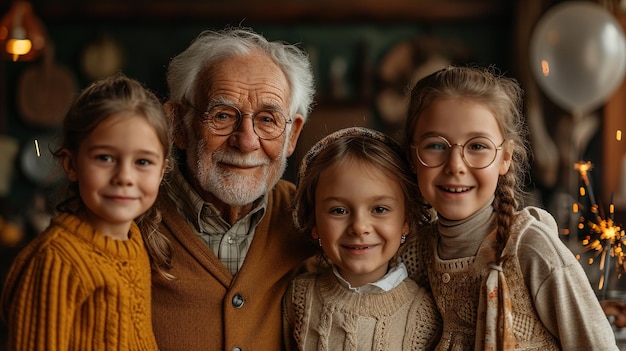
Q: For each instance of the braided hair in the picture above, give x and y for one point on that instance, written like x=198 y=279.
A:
x=503 y=97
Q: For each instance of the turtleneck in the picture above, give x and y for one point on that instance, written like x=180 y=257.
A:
x=463 y=237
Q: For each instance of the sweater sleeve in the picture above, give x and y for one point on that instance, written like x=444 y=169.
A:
x=562 y=293
x=44 y=302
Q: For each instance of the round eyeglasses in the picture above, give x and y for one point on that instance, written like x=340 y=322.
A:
x=478 y=152
x=225 y=119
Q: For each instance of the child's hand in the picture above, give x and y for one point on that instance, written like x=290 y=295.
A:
x=616 y=309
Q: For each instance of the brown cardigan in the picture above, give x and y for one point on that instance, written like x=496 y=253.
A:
x=197 y=310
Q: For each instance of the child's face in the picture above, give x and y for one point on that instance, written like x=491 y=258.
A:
x=454 y=189
x=119 y=168
x=360 y=217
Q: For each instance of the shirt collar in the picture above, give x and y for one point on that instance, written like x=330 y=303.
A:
x=392 y=279
x=197 y=211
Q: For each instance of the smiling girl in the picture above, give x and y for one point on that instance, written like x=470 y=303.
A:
x=84 y=283
x=356 y=201
x=500 y=275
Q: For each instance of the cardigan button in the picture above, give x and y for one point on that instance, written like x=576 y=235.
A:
x=237 y=301
x=445 y=278
x=237 y=348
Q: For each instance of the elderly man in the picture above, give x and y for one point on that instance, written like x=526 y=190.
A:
x=238 y=104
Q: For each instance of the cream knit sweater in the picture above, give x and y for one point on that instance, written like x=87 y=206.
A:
x=323 y=314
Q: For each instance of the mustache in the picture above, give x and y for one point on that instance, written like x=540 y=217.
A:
x=234 y=158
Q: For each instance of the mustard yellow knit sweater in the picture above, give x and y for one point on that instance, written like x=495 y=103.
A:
x=72 y=288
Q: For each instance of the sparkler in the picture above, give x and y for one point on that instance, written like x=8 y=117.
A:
x=605 y=236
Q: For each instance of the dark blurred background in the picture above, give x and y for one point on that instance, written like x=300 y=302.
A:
x=365 y=54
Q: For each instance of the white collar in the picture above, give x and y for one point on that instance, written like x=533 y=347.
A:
x=393 y=278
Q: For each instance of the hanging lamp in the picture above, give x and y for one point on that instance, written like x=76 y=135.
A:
x=22 y=35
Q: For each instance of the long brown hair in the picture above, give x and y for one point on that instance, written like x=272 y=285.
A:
x=95 y=104
x=503 y=97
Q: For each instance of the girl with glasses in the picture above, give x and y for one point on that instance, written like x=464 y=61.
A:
x=500 y=275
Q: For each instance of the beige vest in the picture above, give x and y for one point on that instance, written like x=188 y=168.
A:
x=456 y=287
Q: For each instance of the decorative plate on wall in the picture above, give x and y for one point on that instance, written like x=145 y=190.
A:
x=402 y=66
x=101 y=58
x=45 y=92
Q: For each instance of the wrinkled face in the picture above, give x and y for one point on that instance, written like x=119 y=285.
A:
x=119 y=168
x=455 y=190
x=239 y=168
x=360 y=219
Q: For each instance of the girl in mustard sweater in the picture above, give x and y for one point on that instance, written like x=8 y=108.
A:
x=84 y=283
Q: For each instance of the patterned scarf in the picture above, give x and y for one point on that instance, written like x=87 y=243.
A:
x=494 y=325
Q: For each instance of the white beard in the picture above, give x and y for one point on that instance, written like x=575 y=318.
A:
x=232 y=188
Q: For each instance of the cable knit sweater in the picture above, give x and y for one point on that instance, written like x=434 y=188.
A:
x=322 y=314
x=72 y=288
x=554 y=306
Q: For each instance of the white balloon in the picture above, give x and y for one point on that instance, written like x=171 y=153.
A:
x=578 y=55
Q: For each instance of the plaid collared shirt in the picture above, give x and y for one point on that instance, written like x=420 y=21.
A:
x=229 y=243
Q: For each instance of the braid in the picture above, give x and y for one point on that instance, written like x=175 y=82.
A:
x=503 y=97
x=505 y=206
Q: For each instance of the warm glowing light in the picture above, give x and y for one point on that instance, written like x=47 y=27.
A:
x=545 y=68
x=618 y=135
x=608 y=242
x=609 y=233
x=583 y=168
x=594 y=245
x=22 y=35
x=17 y=47
x=602 y=259
x=604 y=236
x=37 y=148
x=575 y=207
x=606 y=228
x=601 y=283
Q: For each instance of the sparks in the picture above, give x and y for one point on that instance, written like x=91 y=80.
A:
x=583 y=168
x=604 y=236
